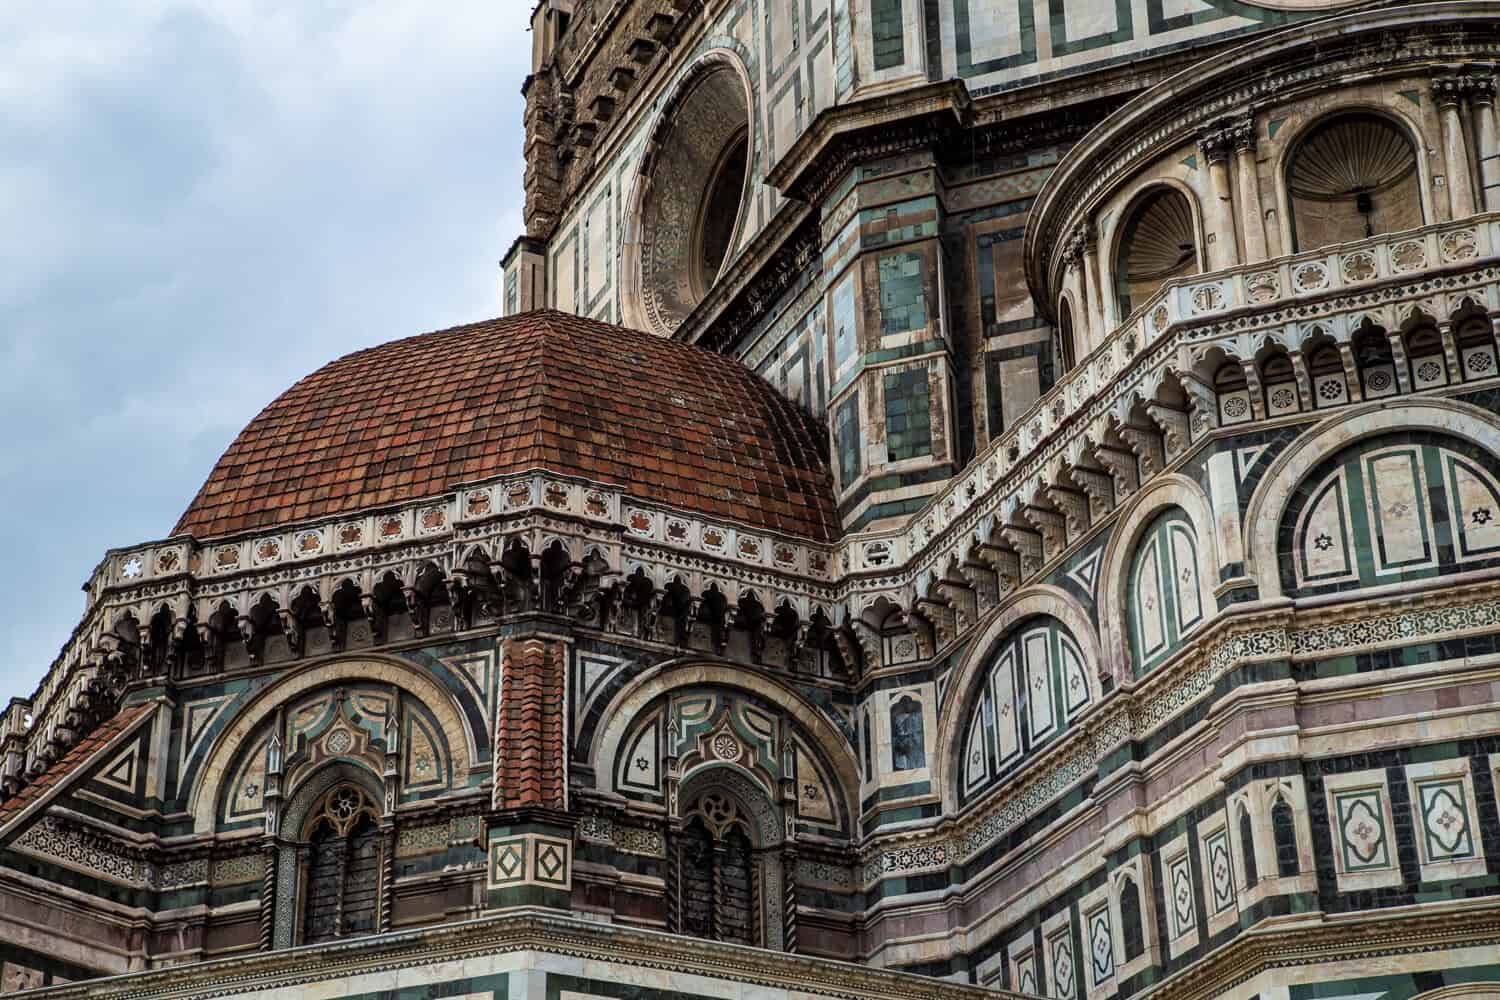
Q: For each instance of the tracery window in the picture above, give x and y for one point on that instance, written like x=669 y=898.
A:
x=341 y=876
x=718 y=875
x=1132 y=930
x=1352 y=177
x=1284 y=832
x=1064 y=348
x=1247 y=849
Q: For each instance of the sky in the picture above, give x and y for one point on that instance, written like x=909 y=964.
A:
x=201 y=202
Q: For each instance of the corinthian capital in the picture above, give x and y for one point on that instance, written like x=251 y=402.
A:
x=1217 y=143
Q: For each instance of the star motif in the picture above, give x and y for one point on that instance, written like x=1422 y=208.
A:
x=1323 y=543
x=1481 y=515
x=642 y=763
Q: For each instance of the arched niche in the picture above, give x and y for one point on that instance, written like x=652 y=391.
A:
x=1350 y=176
x=1157 y=241
x=1293 y=469
x=692 y=195
x=1064 y=341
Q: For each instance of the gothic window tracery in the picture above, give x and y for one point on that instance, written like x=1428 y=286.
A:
x=1132 y=930
x=1284 y=832
x=341 y=870
x=719 y=875
x=1247 y=849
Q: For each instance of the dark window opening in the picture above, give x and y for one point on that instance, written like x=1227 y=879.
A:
x=1284 y=829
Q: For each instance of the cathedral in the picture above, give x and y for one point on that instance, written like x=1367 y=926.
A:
x=966 y=499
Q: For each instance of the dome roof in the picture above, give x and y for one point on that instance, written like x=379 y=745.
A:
x=667 y=422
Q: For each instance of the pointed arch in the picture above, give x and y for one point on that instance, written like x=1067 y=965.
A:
x=962 y=692
x=1161 y=495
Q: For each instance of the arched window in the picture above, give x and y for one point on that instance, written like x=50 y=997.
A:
x=1377 y=371
x=342 y=878
x=1233 y=393
x=1284 y=830
x=867 y=746
x=1424 y=353
x=718 y=875
x=1157 y=242
x=1395 y=508
x=1064 y=351
x=1247 y=849
x=1330 y=387
x=1035 y=685
x=907 y=750
x=1280 y=385
x=1132 y=930
x=1165 y=599
x=1352 y=177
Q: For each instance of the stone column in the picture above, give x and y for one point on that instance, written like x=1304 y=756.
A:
x=1252 y=218
x=1448 y=92
x=1482 y=97
x=1109 y=309
x=1223 y=248
x=1089 y=246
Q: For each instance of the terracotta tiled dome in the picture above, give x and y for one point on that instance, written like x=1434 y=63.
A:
x=414 y=417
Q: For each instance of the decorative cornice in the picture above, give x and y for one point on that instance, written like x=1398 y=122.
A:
x=523 y=931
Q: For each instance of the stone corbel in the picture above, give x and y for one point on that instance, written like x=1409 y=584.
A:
x=1351 y=373
x=1176 y=428
x=1052 y=527
x=1203 y=407
x=1028 y=548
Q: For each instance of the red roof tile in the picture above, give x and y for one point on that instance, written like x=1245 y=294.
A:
x=71 y=761
x=529 y=744
x=414 y=417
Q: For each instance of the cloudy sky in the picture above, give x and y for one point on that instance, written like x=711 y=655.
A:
x=200 y=202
